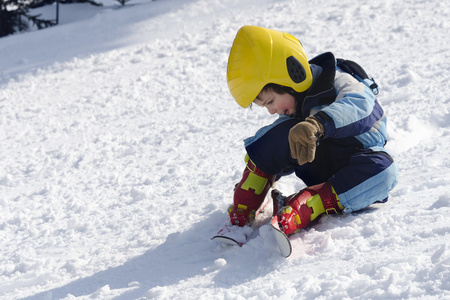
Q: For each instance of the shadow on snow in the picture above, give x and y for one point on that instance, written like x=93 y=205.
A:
x=182 y=256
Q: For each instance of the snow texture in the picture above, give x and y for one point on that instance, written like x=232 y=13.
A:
x=121 y=145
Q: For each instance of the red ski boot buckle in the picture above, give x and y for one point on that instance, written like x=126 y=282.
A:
x=329 y=200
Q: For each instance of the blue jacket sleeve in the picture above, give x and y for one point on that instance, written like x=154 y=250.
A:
x=355 y=113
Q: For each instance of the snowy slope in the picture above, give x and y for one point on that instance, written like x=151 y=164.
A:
x=121 y=146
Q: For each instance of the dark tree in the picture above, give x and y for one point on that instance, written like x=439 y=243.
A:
x=15 y=14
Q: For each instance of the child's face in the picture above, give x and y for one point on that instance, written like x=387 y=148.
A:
x=282 y=104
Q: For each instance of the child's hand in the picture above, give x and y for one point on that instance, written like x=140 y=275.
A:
x=303 y=138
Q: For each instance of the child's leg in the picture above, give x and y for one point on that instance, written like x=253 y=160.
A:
x=307 y=205
x=268 y=155
x=249 y=194
x=367 y=178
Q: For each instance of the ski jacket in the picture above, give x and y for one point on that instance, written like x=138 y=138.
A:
x=347 y=108
x=351 y=155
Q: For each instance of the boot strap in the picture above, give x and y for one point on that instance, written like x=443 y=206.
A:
x=254 y=169
x=329 y=200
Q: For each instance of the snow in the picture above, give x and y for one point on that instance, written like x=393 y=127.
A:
x=121 y=146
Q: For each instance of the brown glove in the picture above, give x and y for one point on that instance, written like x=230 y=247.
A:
x=303 y=138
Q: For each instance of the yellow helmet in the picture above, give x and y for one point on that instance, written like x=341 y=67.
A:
x=260 y=56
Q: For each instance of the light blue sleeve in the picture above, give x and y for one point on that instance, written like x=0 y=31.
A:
x=355 y=113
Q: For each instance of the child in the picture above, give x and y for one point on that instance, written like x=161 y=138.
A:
x=331 y=131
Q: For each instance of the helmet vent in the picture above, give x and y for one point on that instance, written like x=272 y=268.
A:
x=295 y=69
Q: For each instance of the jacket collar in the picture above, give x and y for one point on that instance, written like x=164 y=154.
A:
x=321 y=91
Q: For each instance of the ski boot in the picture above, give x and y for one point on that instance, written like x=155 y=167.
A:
x=307 y=205
x=249 y=194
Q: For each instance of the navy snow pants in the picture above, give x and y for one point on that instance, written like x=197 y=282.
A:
x=360 y=177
